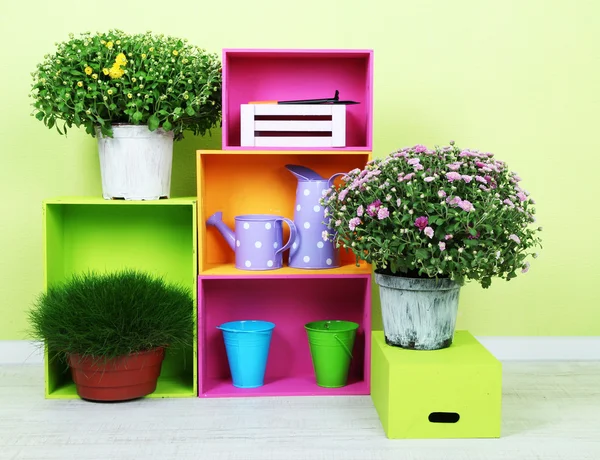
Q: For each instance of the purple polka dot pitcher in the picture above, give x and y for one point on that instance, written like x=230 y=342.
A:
x=257 y=240
x=309 y=251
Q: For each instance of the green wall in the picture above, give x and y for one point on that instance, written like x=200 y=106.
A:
x=520 y=79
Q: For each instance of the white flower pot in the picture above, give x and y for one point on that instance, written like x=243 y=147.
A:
x=419 y=314
x=135 y=164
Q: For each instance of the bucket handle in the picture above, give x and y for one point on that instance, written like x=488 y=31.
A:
x=343 y=345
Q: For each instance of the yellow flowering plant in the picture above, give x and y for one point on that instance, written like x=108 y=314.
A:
x=97 y=81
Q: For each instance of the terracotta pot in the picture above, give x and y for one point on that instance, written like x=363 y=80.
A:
x=117 y=379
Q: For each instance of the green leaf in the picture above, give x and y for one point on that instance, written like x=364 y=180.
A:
x=153 y=122
x=167 y=125
x=422 y=254
x=39 y=115
x=137 y=116
x=190 y=111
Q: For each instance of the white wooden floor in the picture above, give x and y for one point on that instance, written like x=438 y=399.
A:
x=550 y=411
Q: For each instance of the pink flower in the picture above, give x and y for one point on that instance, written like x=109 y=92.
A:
x=480 y=164
x=448 y=237
x=429 y=179
x=454 y=166
x=421 y=222
x=467 y=178
x=383 y=213
x=420 y=148
x=418 y=167
x=481 y=179
x=454 y=201
x=466 y=206
x=400 y=177
x=409 y=176
x=515 y=238
x=353 y=223
x=441 y=193
x=428 y=231
x=413 y=161
x=360 y=210
x=442 y=245
x=338 y=223
x=484 y=188
x=452 y=176
x=508 y=203
x=398 y=202
x=525 y=267
x=373 y=208
x=324 y=235
x=343 y=194
x=522 y=196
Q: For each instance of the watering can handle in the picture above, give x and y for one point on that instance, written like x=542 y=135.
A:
x=343 y=345
x=331 y=179
x=292 y=234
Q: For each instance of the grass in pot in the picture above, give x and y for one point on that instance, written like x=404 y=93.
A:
x=113 y=329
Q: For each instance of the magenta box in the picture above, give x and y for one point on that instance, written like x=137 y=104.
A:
x=290 y=303
x=291 y=74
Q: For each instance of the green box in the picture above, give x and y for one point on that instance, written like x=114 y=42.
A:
x=450 y=393
x=95 y=234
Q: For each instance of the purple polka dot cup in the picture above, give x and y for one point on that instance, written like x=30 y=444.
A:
x=257 y=240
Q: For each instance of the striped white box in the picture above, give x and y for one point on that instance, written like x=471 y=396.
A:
x=260 y=119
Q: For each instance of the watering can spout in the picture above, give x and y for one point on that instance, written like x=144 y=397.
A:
x=216 y=220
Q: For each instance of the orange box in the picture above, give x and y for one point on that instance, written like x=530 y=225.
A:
x=245 y=182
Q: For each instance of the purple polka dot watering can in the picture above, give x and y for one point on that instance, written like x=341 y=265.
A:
x=257 y=240
x=308 y=250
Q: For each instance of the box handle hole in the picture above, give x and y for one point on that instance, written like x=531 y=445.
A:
x=444 y=417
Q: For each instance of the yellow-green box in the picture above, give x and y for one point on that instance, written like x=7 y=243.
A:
x=455 y=392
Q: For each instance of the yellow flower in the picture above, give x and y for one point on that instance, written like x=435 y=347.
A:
x=118 y=42
x=105 y=71
x=80 y=84
x=110 y=91
x=115 y=72
x=103 y=41
x=129 y=95
x=121 y=59
x=175 y=52
x=95 y=76
x=88 y=70
x=151 y=49
x=144 y=56
x=109 y=45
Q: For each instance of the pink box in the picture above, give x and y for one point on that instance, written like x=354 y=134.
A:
x=292 y=74
x=290 y=303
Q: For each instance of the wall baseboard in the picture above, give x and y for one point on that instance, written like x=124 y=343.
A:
x=550 y=348
x=503 y=348
x=21 y=352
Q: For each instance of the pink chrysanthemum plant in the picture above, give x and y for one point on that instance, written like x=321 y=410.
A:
x=442 y=213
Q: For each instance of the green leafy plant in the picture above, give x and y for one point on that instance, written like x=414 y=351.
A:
x=447 y=212
x=113 y=314
x=113 y=77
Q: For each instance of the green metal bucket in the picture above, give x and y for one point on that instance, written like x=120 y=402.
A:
x=331 y=344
